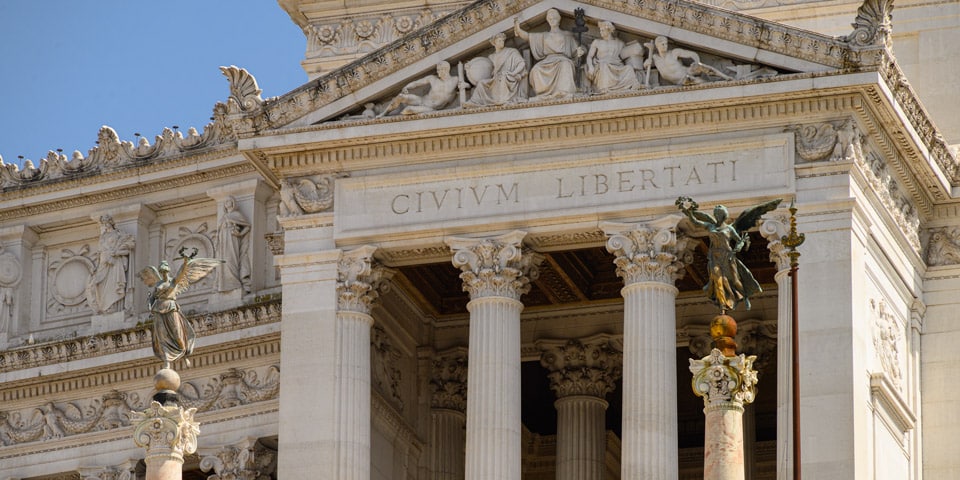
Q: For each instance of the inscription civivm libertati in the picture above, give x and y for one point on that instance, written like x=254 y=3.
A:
x=562 y=183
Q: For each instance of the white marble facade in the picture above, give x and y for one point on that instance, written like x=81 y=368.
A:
x=427 y=282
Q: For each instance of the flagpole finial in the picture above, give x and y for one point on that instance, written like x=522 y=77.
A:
x=793 y=239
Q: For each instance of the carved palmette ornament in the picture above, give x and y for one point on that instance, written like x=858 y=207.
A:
x=873 y=24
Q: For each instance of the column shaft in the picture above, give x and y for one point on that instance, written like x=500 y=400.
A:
x=448 y=438
x=784 y=377
x=581 y=437
x=723 y=444
x=353 y=344
x=649 y=381
x=493 y=390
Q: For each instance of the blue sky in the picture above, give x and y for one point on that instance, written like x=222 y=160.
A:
x=69 y=66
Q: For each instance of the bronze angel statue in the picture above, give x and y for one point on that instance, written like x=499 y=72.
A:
x=173 y=337
x=730 y=281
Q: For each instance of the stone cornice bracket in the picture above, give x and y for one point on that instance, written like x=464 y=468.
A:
x=448 y=380
x=773 y=228
x=166 y=432
x=872 y=26
x=648 y=251
x=588 y=366
x=725 y=383
x=495 y=266
x=360 y=280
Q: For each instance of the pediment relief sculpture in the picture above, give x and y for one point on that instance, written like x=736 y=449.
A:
x=833 y=141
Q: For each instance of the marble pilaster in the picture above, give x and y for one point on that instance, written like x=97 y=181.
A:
x=496 y=272
x=773 y=229
x=726 y=385
x=358 y=286
x=582 y=373
x=448 y=402
x=649 y=258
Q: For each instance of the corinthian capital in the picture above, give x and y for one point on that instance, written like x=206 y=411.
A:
x=495 y=266
x=233 y=462
x=724 y=382
x=649 y=251
x=166 y=432
x=773 y=229
x=448 y=380
x=589 y=366
x=360 y=280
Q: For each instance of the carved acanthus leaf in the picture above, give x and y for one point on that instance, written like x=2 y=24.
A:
x=649 y=251
x=244 y=92
x=724 y=382
x=589 y=366
x=448 y=380
x=873 y=24
x=496 y=266
x=360 y=280
x=166 y=429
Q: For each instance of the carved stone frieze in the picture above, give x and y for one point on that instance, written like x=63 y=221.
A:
x=942 y=246
x=360 y=280
x=120 y=341
x=306 y=195
x=385 y=366
x=114 y=409
x=833 y=141
x=888 y=341
x=724 y=382
x=895 y=199
x=649 y=252
x=275 y=242
x=448 y=380
x=496 y=266
x=589 y=366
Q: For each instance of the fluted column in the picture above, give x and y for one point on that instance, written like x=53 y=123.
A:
x=773 y=229
x=448 y=402
x=582 y=373
x=165 y=430
x=648 y=259
x=358 y=284
x=726 y=385
x=496 y=273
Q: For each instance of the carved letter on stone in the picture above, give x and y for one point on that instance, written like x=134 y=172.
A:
x=107 y=287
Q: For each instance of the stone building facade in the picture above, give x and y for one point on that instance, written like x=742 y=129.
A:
x=455 y=252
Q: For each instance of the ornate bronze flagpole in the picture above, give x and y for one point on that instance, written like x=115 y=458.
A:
x=792 y=241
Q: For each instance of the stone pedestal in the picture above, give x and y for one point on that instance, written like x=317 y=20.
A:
x=496 y=274
x=582 y=373
x=165 y=430
x=448 y=402
x=648 y=258
x=726 y=384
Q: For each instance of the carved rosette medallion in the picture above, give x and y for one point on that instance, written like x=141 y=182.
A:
x=495 y=267
x=448 y=380
x=725 y=383
x=648 y=252
x=360 y=281
x=581 y=367
x=167 y=433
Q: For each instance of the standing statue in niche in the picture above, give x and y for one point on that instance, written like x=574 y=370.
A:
x=508 y=80
x=443 y=90
x=672 y=68
x=107 y=286
x=605 y=67
x=730 y=281
x=556 y=50
x=233 y=246
x=173 y=337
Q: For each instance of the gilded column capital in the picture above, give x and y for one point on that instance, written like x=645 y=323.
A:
x=234 y=462
x=448 y=380
x=773 y=228
x=360 y=280
x=589 y=366
x=725 y=383
x=166 y=432
x=495 y=266
x=648 y=251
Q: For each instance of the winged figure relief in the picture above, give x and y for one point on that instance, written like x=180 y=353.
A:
x=730 y=281
x=173 y=337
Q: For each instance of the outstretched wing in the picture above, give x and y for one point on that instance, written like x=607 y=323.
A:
x=192 y=270
x=749 y=218
x=150 y=276
x=698 y=228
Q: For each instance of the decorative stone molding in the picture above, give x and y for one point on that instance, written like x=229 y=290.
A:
x=124 y=471
x=888 y=341
x=650 y=251
x=873 y=25
x=61 y=351
x=246 y=460
x=942 y=246
x=496 y=266
x=55 y=420
x=724 y=382
x=306 y=195
x=166 y=432
x=360 y=281
x=834 y=141
x=894 y=198
x=448 y=380
x=588 y=366
x=384 y=363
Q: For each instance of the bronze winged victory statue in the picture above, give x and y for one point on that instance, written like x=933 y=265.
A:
x=173 y=337
x=730 y=281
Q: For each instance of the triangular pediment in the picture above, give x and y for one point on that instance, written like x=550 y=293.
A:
x=729 y=46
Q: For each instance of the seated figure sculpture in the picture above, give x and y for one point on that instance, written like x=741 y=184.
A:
x=508 y=81
x=674 y=70
x=553 y=75
x=605 y=67
x=443 y=89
